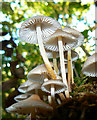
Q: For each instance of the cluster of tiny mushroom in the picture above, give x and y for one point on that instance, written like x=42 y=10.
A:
x=48 y=79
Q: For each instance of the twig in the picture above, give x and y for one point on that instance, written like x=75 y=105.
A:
x=85 y=50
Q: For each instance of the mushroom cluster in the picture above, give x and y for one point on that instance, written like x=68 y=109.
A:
x=47 y=80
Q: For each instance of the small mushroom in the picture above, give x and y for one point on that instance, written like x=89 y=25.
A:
x=21 y=97
x=59 y=86
x=90 y=66
x=23 y=87
x=53 y=87
x=29 y=88
x=34 y=30
x=33 y=88
x=79 y=40
x=38 y=74
x=33 y=105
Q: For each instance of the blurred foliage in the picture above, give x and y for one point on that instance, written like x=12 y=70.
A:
x=18 y=58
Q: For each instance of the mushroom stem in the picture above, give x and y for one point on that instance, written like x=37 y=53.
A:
x=72 y=73
x=43 y=52
x=55 y=61
x=69 y=70
x=33 y=115
x=60 y=44
x=58 y=101
x=49 y=99
x=52 y=95
x=36 y=91
x=62 y=96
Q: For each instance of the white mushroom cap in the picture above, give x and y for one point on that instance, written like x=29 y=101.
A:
x=79 y=37
x=21 y=97
x=28 y=28
x=26 y=84
x=39 y=69
x=69 y=41
x=33 y=87
x=23 y=87
x=50 y=54
x=74 y=55
x=28 y=106
x=58 y=84
x=90 y=66
x=38 y=73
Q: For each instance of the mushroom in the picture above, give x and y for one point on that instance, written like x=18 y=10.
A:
x=90 y=66
x=29 y=88
x=58 y=86
x=33 y=88
x=79 y=40
x=61 y=41
x=67 y=39
x=33 y=105
x=38 y=74
x=34 y=30
x=23 y=87
x=21 y=97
